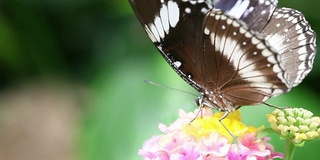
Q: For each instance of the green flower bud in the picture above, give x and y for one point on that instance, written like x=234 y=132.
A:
x=296 y=124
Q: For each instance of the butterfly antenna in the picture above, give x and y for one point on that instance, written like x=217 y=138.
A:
x=164 y=86
x=273 y=106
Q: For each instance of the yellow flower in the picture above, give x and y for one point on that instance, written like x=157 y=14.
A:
x=203 y=126
x=206 y=138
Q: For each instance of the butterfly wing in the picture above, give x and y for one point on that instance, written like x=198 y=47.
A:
x=174 y=27
x=285 y=29
x=238 y=64
x=221 y=54
x=255 y=13
x=292 y=37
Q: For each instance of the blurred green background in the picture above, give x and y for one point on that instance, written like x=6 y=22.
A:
x=72 y=87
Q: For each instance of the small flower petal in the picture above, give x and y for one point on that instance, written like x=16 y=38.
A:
x=235 y=150
x=185 y=151
x=214 y=145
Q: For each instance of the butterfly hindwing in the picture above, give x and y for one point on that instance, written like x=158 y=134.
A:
x=246 y=70
x=292 y=37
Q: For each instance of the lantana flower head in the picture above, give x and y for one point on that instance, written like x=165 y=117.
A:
x=205 y=138
x=296 y=124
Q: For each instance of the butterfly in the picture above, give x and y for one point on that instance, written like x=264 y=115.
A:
x=234 y=52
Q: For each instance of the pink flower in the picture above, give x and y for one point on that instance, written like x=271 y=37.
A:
x=205 y=139
x=174 y=139
x=214 y=145
x=185 y=151
x=239 y=152
x=253 y=148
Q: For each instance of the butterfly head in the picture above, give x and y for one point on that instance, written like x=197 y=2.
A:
x=217 y=101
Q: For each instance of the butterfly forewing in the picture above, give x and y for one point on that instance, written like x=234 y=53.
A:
x=292 y=37
x=174 y=27
x=255 y=13
x=237 y=64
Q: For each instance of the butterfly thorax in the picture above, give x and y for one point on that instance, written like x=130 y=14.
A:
x=217 y=101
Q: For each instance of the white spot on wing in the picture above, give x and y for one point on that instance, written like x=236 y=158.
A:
x=277 y=91
x=164 y=18
x=150 y=34
x=234 y=33
x=265 y=98
x=266 y=53
x=177 y=64
x=276 y=69
x=174 y=13
x=206 y=31
x=187 y=10
x=158 y=24
x=239 y=7
x=154 y=32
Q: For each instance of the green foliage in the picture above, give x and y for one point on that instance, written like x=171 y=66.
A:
x=102 y=45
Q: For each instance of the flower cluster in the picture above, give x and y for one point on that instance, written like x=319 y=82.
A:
x=205 y=138
x=296 y=124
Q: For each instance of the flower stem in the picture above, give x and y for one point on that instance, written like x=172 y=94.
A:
x=290 y=148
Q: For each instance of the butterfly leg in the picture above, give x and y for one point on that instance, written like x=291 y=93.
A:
x=199 y=102
x=220 y=120
x=234 y=137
